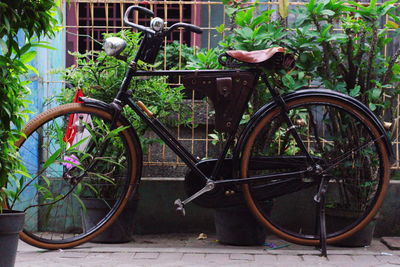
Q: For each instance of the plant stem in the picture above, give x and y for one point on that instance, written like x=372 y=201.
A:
x=387 y=75
x=371 y=57
x=351 y=78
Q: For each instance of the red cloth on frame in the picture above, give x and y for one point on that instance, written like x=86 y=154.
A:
x=71 y=129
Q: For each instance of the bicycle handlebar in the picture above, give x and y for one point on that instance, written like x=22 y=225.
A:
x=137 y=26
x=190 y=27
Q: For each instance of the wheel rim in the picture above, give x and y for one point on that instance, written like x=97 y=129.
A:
x=299 y=205
x=59 y=224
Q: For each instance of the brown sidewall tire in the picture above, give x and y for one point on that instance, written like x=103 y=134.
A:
x=76 y=107
x=246 y=154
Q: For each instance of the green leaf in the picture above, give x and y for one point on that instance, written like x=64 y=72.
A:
x=78 y=189
x=52 y=158
x=44 y=46
x=392 y=24
x=4 y=47
x=327 y=12
x=355 y=91
x=91 y=187
x=372 y=106
x=311 y=6
x=23 y=173
x=301 y=75
x=78 y=143
x=326 y=29
x=29 y=67
x=102 y=177
x=376 y=93
x=337 y=36
x=25 y=48
x=27 y=57
x=46 y=180
x=80 y=202
x=109 y=161
x=246 y=32
x=220 y=28
x=7 y=24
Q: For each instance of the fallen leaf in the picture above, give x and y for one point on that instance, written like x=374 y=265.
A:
x=202 y=236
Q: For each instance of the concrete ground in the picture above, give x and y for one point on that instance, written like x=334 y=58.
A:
x=187 y=250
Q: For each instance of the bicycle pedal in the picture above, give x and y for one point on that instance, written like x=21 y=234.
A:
x=179 y=207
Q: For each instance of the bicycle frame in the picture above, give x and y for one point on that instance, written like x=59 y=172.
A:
x=124 y=97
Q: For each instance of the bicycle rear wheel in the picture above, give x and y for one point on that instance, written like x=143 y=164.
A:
x=340 y=138
x=72 y=155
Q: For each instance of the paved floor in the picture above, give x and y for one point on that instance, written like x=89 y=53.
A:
x=186 y=250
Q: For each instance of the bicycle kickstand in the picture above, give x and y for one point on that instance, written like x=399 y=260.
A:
x=320 y=199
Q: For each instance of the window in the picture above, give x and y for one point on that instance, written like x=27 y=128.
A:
x=86 y=22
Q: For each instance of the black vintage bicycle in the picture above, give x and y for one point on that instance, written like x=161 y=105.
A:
x=320 y=157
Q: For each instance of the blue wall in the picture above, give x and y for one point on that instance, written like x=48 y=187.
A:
x=42 y=86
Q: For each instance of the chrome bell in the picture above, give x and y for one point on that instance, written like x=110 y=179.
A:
x=157 y=24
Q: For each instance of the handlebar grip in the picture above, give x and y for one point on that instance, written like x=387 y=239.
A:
x=188 y=26
x=137 y=26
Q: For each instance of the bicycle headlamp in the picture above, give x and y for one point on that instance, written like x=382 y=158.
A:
x=114 y=46
x=157 y=24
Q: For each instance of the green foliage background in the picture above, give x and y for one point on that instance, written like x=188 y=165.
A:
x=339 y=45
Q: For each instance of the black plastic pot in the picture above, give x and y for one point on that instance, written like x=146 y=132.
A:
x=340 y=219
x=237 y=226
x=11 y=223
x=361 y=238
x=120 y=231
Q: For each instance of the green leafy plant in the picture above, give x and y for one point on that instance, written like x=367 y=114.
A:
x=206 y=60
x=100 y=77
x=339 y=45
x=342 y=43
x=21 y=22
x=176 y=56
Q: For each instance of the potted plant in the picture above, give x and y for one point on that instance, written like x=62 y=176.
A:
x=34 y=20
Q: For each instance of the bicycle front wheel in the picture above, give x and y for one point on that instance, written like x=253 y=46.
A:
x=73 y=155
x=348 y=146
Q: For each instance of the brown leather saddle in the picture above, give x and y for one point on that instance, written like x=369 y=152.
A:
x=274 y=57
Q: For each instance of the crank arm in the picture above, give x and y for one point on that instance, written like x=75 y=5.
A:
x=180 y=205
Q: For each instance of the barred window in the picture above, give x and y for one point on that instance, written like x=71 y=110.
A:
x=86 y=22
